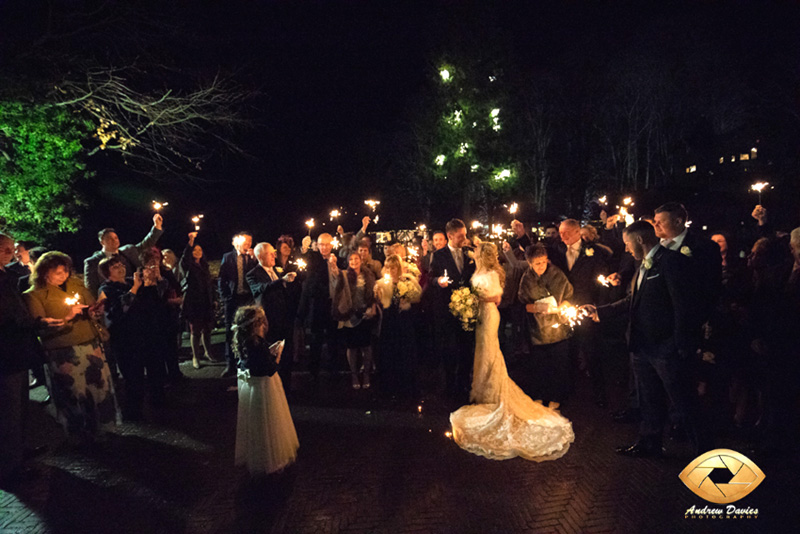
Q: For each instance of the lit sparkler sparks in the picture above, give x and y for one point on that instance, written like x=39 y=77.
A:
x=572 y=314
x=72 y=301
x=301 y=264
x=627 y=201
x=413 y=252
x=476 y=225
x=158 y=206
x=623 y=213
x=422 y=227
x=334 y=214
x=372 y=204
x=310 y=225
x=238 y=241
x=512 y=209
x=498 y=230
x=602 y=280
x=335 y=243
x=759 y=187
x=196 y=221
x=603 y=200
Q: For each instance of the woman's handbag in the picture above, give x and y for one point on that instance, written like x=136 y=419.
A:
x=100 y=330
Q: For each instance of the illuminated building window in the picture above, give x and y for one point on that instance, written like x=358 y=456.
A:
x=733 y=158
x=691 y=169
x=744 y=157
x=721 y=160
x=753 y=153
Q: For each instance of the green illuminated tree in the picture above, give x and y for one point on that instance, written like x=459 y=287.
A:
x=41 y=165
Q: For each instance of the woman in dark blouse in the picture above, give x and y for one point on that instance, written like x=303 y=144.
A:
x=198 y=298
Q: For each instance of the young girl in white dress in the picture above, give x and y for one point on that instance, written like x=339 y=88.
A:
x=503 y=422
x=266 y=440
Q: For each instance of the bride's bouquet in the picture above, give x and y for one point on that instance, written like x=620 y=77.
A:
x=464 y=306
x=408 y=288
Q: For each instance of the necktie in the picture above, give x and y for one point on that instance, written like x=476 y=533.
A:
x=459 y=259
x=272 y=274
x=572 y=256
x=239 y=273
x=642 y=271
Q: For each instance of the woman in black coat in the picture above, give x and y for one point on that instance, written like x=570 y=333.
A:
x=198 y=298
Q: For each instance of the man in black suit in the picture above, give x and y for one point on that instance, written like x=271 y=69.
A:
x=234 y=290
x=582 y=264
x=660 y=322
x=22 y=264
x=704 y=257
x=452 y=267
x=129 y=254
x=269 y=291
x=315 y=302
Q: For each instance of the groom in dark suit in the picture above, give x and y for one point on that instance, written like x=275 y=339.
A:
x=661 y=320
x=452 y=267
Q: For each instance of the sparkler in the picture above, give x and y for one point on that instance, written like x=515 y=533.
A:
x=602 y=280
x=498 y=229
x=158 y=206
x=196 y=221
x=413 y=252
x=372 y=204
x=603 y=200
x=476 y=225
x=335 y=243
x=512 y=209
x=310 y=224
x=758 y=187
x=448 y=435
x=377 y=218
x=72 y=301
x=628 y=201
x=572 y=314
x=334 y=214
x=623 y=213
x=301 y=264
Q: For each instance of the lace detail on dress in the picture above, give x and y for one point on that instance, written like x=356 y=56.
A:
x=504 y=422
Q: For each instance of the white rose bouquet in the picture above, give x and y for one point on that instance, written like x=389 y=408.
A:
x=408 y=288
x=464 y=306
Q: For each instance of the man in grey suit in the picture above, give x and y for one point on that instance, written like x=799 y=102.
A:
x=129 y=254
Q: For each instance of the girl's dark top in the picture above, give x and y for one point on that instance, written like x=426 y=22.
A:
x=255 y=357
x=118 y=298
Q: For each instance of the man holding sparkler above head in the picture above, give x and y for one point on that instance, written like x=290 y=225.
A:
x=234 y=289
x=129 y=254
x=315 y=302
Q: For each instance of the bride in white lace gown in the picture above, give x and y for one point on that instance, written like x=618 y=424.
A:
x=503 y=422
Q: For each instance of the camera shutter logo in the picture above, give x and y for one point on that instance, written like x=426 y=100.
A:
x=722 y=476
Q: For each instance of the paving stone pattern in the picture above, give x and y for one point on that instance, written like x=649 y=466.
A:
x=366 y=465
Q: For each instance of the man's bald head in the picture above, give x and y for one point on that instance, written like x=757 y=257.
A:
x=265 y=254
x=324 y=244
x=570 y=231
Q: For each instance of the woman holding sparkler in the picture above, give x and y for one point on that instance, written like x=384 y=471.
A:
x=503 y=422
x=197 y=309
x=77 y=374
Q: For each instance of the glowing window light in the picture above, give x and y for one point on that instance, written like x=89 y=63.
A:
x=744 y=157
x=753 y=153
x=721 y=160
x=691 y=169
x=733 y=158
x=440 y=160
x=492 y=78
x=503 y=175
x=445 y=74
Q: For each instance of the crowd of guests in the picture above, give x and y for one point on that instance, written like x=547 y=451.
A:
x=371 y=312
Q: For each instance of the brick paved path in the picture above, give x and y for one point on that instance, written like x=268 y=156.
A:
x=366 y=465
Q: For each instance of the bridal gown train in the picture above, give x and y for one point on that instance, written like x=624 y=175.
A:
x=504 y=422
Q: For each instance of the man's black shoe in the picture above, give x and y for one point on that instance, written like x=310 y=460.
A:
x=642 y=449
x=625 y=417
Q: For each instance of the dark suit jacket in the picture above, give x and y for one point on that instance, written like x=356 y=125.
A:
x=17 y=328
x=443 y=260
x=21 y=272
x=129 y=254
x=590 y=264
x=229 y=276
x=315 y=300
x=660 y=311
x=273 y=298
x=706 y=264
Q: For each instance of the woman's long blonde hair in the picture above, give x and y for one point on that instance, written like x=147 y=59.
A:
x=486 y=258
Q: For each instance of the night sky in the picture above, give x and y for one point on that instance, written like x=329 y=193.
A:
x=341 y=82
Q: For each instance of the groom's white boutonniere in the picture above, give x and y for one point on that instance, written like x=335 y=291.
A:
x=589 y=252
x=648 y=263
x=278 y=269
x=686 y=251
x=470 y=254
